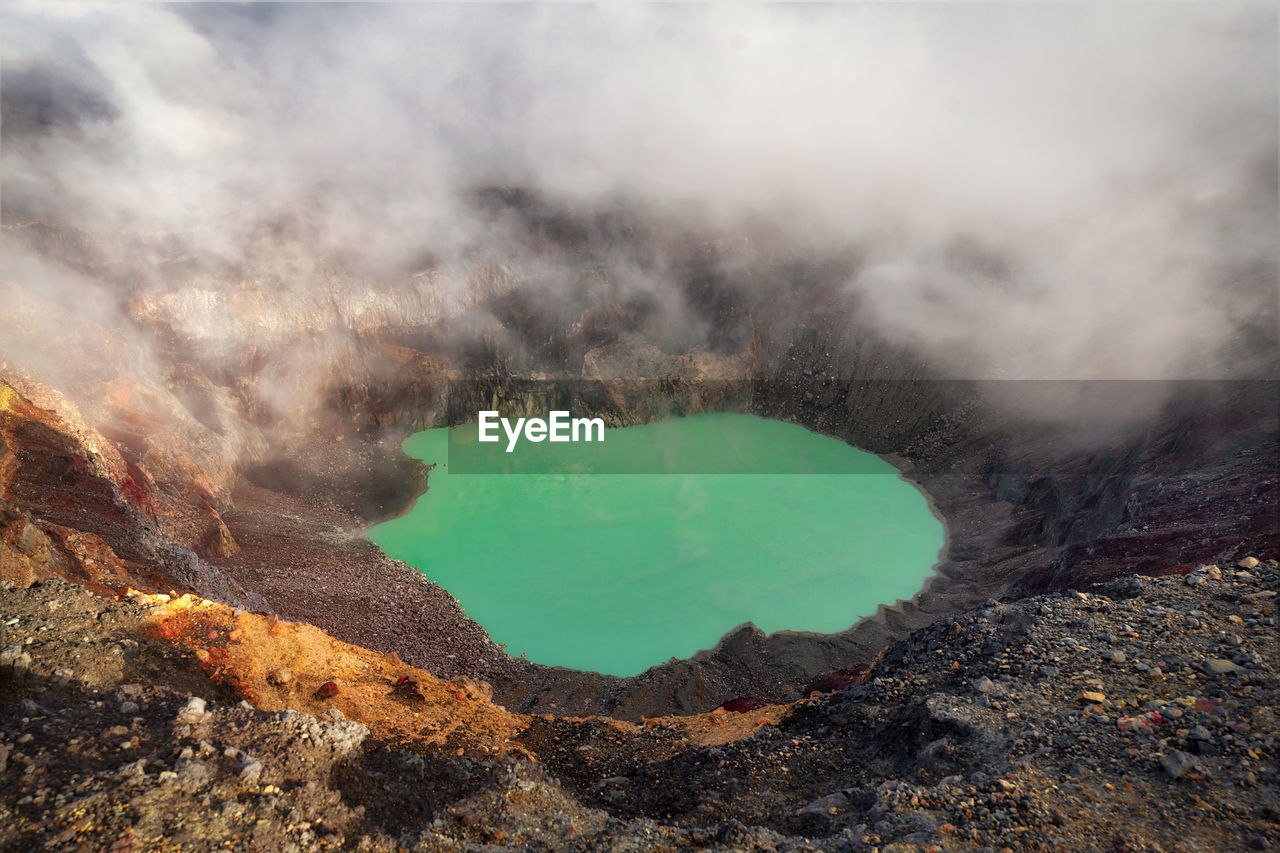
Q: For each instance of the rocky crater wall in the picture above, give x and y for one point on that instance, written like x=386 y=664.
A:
x=202 y=480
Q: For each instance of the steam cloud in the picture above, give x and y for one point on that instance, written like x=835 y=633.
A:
x=1057 y=191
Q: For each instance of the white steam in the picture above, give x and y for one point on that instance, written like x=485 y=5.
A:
x=1057 y=191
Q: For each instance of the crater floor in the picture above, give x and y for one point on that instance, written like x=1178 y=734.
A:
x=617 y=572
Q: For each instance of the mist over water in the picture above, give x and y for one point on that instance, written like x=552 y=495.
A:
x=1033 y=191
x=615 y=573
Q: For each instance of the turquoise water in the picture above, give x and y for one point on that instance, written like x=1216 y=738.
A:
x=618 y=572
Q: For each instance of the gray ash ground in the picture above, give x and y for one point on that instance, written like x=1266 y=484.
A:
x=1140 y=715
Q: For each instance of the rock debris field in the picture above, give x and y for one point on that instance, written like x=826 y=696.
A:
x=1137 y=715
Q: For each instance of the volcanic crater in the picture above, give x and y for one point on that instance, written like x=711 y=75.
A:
x=1042 y=485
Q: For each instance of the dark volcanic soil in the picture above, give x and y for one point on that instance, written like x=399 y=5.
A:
x=1141 y=715
x=314 y=564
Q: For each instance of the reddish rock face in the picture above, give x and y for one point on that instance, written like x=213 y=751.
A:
x=742 y=704
x=58 y=479
x=27 y=554
x=78 y=504
x=838 y=679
